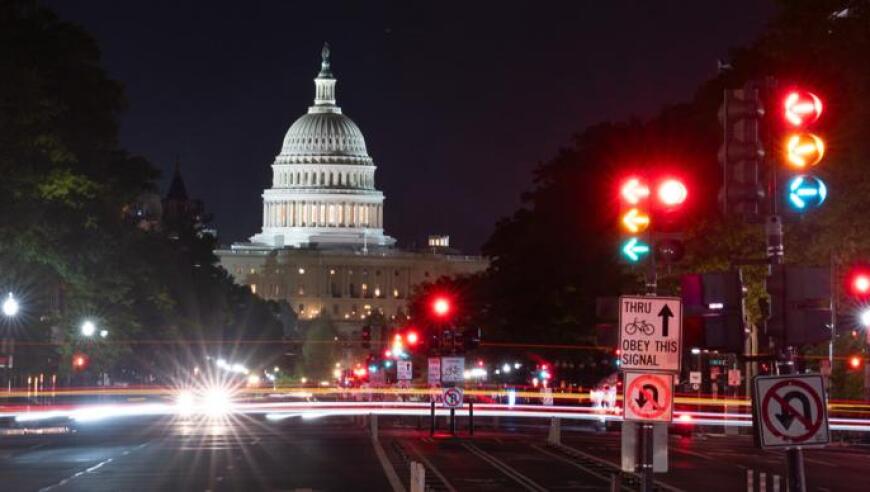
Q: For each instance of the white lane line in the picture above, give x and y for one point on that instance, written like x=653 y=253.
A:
x=431 y=467
x=85 y=471
x=389 y=471
x=503 y=467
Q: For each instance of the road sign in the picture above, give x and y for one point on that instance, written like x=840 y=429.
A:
x=434 y=373
x=650 y=333
x=547 y=397
x=733 y=377
x=649 y=397
x=452 y=369
x=403 y=370
x=452 y=397
x=791 y=411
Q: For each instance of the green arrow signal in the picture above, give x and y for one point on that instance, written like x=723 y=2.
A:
x=633 y=249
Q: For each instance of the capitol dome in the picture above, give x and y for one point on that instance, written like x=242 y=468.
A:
x=323 y=181
x=324 y=133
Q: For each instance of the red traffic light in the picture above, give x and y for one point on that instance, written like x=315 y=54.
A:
x=858 y=283
x=441 y=306
x=79 y=361
x=854 y=362
x=672 y=192
x=801 y=108
x=633 y=190
x=412 y=337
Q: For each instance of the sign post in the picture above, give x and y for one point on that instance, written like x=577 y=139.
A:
x=650 y=347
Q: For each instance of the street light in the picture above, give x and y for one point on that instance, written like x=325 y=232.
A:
x=88 y=328
x=10 y=306
x=104 y=333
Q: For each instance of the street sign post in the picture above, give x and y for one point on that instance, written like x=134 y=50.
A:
x=452 y=369
x=650 y=333
x=403 y=370
x=452 y=397
x=649 y=397
x=790 y=411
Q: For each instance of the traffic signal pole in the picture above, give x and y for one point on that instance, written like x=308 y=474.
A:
x=645 y=429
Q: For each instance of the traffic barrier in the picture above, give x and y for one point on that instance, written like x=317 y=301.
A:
x=554 y=436
x=762 y=482
x=776 y=482
x=615 y=483
x=750 y=484
x=418 y=477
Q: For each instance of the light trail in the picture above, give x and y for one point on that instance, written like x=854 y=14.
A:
x=275 y=411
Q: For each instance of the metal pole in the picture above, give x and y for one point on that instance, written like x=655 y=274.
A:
x=796 y=479
x=471 y=418
x=432 y=420
x=646 y=442
x=453 y=421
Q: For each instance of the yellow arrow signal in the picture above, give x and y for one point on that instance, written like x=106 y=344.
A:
x=635 y=221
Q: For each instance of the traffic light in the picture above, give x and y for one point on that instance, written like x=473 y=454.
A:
x=802 y=149
x=80 y=361
x=366 y=336
x=800 y=307
x=742 y=152
x=858 y=283
x=854 y=362
x=649 y=218
x=634 y=219
x=441 y=307
x=713 y=302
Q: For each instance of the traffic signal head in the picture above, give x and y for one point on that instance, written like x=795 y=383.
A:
x=855 y=362
x=858 y=282
x=803 y=150
x=671 y=193
x=412 y=338
x=801 y=108
x=633 y=191
x=805 y=192
x=441 y=307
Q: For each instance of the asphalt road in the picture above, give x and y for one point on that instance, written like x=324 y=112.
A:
x=338 y=453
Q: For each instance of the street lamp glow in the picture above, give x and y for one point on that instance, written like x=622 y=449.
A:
x=89 y=328
x=104 y=333
x=864 y=317
x=10 y=306
x=696 y=351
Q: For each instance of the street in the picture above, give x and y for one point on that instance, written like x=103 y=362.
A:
x=338 y=453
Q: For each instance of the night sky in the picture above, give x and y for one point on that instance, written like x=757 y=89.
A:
x=458 y=101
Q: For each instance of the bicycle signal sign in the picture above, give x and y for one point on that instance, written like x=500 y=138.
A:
x=650 y=333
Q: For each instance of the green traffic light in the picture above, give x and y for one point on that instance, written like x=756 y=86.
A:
x=634 y=249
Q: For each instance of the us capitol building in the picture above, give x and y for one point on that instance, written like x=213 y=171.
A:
x=322 y=247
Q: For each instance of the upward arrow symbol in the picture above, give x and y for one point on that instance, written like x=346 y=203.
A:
x=665 y=314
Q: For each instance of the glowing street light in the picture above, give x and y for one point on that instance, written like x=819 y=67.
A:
x=10 y=306
x=864 y=318
x=88 y=328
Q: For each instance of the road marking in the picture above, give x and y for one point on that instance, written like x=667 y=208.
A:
x=86 y=471
x=431 y=467
x=588 y=456
x=389 y=471
x=574 y=464
x=503 y=467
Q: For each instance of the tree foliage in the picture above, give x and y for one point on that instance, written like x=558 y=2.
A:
x=66 y=247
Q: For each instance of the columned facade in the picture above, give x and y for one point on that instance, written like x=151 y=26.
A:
x=323 y=186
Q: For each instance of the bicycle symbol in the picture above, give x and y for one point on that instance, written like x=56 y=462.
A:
x=640 y=325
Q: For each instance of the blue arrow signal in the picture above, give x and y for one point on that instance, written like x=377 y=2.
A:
x=634 y=249
x=806 y=192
